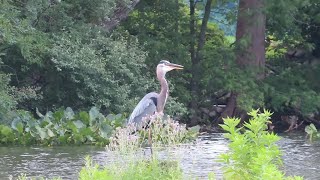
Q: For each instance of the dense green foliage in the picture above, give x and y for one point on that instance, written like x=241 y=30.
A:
x=253 y=152
x=293 y=56
x=64 y=127
x=59 y=54
x=60 y=128
x=58 y=57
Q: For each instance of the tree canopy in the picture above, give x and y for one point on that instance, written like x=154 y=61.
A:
x=104 y=52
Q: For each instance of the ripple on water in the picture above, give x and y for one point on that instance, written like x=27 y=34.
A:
x=197 y=160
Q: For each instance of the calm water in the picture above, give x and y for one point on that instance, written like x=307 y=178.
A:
x=300 y=158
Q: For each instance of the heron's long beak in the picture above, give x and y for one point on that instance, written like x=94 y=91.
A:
x=175 y=66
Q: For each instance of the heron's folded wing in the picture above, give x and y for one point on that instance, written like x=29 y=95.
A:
x=147 y=106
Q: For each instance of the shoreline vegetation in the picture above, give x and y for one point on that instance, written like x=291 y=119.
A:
x=253 y=152
x=65 y=127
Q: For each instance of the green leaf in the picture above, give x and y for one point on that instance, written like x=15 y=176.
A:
x=73 y=127
x=225 y=127
x=42 y=133
x=93 y=113
x=6 y=131
x=68 y=113
x=86 y=132
x=50 y=133
x=58 y=115
x=20 y=127
x=105 y=131
x=79 y=124
x=311 y=129
x=49 y=117
x=84 y=117
x=111 y=117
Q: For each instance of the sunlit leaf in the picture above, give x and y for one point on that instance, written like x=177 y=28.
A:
x=50 y=133
x=42 y=133
x=68 y=113
x=6 y=131
x=84 y=117
x=79 y=124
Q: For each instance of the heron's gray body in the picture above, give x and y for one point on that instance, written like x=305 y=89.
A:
x=153 y=102
x=145 y=108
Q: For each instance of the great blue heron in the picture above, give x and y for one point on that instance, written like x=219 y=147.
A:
x=154 y=102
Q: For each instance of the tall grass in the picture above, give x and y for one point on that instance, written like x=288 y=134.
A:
x=130 y=160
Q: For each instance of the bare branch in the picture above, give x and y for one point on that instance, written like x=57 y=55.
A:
x=121 y=13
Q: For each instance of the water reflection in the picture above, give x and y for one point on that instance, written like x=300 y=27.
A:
x=300 y=156
x=197 y=160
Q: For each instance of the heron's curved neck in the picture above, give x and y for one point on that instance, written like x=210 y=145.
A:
x=163 y=95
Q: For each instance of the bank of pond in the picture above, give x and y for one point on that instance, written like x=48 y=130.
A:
x=249 y=151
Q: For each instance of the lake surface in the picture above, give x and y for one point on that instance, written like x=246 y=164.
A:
x=197 y=160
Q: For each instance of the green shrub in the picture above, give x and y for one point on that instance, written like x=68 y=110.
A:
x=253 y=153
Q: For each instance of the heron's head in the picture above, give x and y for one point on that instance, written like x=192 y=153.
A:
x=165 y=66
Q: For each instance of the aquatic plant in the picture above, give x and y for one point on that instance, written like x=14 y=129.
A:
x=311 y=131
x=63 y=126
x=253 y=151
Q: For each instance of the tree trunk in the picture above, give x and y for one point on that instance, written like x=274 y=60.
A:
x=192 y=30
x=196 y=52
x=192 y=49
x=204 y=24
x=176 y=24
x=250 y=55
x=251 y=26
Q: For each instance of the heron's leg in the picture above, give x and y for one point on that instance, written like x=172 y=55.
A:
x=150 y=140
